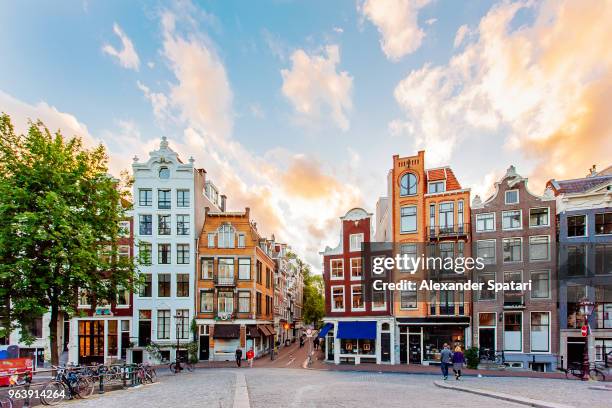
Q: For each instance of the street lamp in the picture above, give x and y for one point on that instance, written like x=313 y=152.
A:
x=178 y=320
x=586 y=309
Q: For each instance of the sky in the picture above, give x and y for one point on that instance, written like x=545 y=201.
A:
x=295 y=108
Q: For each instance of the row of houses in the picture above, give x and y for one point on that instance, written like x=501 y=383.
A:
x=560 y=242
x=208 y=276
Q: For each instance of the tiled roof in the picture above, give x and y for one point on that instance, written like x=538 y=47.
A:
x=582 y=185
x=444 y=173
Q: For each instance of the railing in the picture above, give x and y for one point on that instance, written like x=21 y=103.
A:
x=446 y=309
x=514 y=300
x=437 y=231
x=225 y=280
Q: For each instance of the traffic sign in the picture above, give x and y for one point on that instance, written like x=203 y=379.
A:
x=584 y=331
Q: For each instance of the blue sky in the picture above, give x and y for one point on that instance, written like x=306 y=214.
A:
x=470 y=82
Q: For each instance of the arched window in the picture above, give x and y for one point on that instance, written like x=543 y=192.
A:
x=408 y=184
x=164 y=173
x=225 y=236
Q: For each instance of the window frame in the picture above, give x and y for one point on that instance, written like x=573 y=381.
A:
x=353 y=277
x=159 y=253
x=586 y=225
x=548 y=247
x=520 y=260
x=165 y=327
x=180 y=203
x=363 y=307
x=548 y=292
x=211 y=293
x=167 y=201
x=181 y=285
x=547 y=217
x=150 y=198
x=430 y=183
x=549 y=325
x=183 y=257
x=494 y=250
x=169 y=282
x=358 y=237
x=407 y=175
x=603 y=214
x=518 y=196
x=494 y=219
x=331 y=268
x=520 y=313
x=416 y=300
x=333 y=301
x=520 y=227
x=416 y=219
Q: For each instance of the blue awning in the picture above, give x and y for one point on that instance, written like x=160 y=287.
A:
x=327 y=327
x=357 y=330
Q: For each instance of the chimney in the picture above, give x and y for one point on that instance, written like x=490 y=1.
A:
x=223 y=199
x=593 y=171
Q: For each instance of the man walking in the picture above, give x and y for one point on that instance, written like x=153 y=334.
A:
x=445 y=358
x=250 y=356
x=238 y=356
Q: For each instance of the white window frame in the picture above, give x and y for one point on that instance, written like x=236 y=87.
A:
x=358 y=309
x=384 y=307
x=494 y=221
x=543 y=225
x=518 y=196
x=436 y=182
x=333 y=302
x=494 y=252
x=549 y=248
x=504 y=331
x=549 y=332
x=548 y=297
x=331 y=276
x=408 y=308
x=502 y=250
x=356 y=248
x=356 y=278
x=416 y=216
x=520 y=220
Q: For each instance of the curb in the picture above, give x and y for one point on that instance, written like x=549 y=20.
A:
x=501 y=396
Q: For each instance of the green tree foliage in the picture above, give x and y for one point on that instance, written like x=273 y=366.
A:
x=59 y=228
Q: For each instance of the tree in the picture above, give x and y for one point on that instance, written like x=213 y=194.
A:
x=314 y=303
x=59 y=228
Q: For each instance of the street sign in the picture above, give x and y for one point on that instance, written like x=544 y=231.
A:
x=584 y=331
x=308 y=332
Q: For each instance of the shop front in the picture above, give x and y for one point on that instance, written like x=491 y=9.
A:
x=357 y=341
x=226 y=339
x=100 y=341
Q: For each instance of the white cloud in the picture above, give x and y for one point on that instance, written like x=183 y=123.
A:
x=431 y=21
x=460 y=36
x=397 y=24
x=127 y=57
x=151 y=64
x=314 y=86
x=159 y=101
x=339 y=30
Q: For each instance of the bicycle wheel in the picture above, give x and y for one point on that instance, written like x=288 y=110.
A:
x=84 y=388
x=173 y=368
x=596 y=375
x=53 y=393
x=190 y=367
x=6 y=402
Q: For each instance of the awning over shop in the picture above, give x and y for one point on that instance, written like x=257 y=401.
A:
x=252 y=331
x=226 y=331
x=266 y=330
x=357 y=330
x=327 y=327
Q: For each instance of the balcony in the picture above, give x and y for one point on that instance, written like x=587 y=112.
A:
x=444 y=231
x=514 y=300
x=446 y=309
x=225 y=280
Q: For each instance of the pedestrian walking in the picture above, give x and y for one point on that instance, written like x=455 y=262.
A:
x=302 y=339
x=458 y=361
x=446 y=356
x=238 y=357
x=315 y=343
x=250 y=356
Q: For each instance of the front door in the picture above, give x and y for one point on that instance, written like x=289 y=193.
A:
x=404 y=348
x=330 y=346
x=385 y=347
x=144 y=333
x=486 y=340
x=414 y=348
x=575 y=350
x=204 y=352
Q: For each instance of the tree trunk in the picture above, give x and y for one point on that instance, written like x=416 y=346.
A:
x=53 y=331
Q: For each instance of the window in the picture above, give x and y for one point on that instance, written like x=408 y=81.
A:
x=511 y=220
x=408 y=219
x=576 y=225
x=601 y=346
x=123 y=296
x=163 y=199
x=513 y=249
x=432 y=220
x=182 y=224
x=206 y=301
x=182 y=285
x=226 y=270
x=603 y=223
x=145 y=197
x=164 y=173
x=163 y=324
x=35 y=327
x=244 y=301
x=244 y=268
x=259 y=267
x=146 y=224
x=146 y=289
x=145 y=249
x=539 y=217
x=540 y=332
x=84 y=298
x=355 y=242
x=576 y=260
x=124 y=229
x=410 y=251
x=206 y=268
x=356 y=269
x=225 y=236
x=182 y=322
x=446 y=217
x=211 y=239
x=225 y=302
x=513 y=297
x=357 y=297
x=163 y=254
x=408 y=184
x=540 y=284
x=539 y=248
x=486 y=319
x=603 y=259
x=241 y=240
x=512 y=197
x=513 y=333
x=408 y=299
x=164 y=225
x=485 y=249
x=485 y=222
x=435 y=187
x=163 y=285
x=486 y=293
x=337 y=268
x=379 y=300
x=258 y=303
x=182 y=198
x=337 y=298
x=182 y=253
x=460 y=225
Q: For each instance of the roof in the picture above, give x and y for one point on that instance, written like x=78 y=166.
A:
x=444 y=174
x=581 y=185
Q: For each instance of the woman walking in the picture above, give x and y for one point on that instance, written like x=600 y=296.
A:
x=458 y=361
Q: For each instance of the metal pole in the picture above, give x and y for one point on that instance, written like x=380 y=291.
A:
x=585 y=353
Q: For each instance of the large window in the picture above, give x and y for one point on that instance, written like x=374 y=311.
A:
x=435 y=187
x=539 y=217
x=576 y=225
x=513 y=333
x=379 y=299
x=511 y=220
x=244 y=301
x=408 y=184
x=225 y=302
x=182 y=285
x=337 y=298
x=356 y=270
x=540 y=332
x=163 y=324
x=206 y=301
x=163 y=254
x=146 y=224
x=355 y=242
x=164 y=225
x=146 y=289
x=513 y=297
x=182 y=253
x=145 y=249
x=337 y=268
x=408 y=299
x=163 y=199
x=485 y=222
x=408 y=219
x=357 y=297
x=206 y=268
x=576 y=260
x=182 y=198
x=225 y=236
x=539 y=248
x=603 y=259
x=540 y=284
x=513 y=249
x=446 y=217
x=485 y=249
x=226 y=270
x=182 y=224
x=182 y=322
x=211 y=239
x=244 y=268
x=163 y=285
x=145 y=197
x=603 y=223
x=410 y=251
x=486 y=293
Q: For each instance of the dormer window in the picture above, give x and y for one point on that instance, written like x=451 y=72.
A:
x=164 y=173
x=436 y=187
x=408 y=184
x=512 y=197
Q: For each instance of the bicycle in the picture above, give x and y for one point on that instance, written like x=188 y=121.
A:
x=145 y=374
x=576 y=369
x=178 y=366
x=67 y=383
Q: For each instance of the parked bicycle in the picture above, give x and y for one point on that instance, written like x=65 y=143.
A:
x=179 y=365
x=576 y=369
x=67 y=384
x=145 y=373
x=492 y=356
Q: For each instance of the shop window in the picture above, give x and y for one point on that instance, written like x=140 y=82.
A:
x=358 y=346
x=513 y=333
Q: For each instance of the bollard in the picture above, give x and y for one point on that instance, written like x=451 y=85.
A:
x=101 y=386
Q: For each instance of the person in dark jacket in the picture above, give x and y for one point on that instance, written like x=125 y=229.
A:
x=458 y=361
x=445 y=360
x=239 y=356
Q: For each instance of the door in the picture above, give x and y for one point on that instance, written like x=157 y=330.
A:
x=486 y=341
x=66 y=335
x=414 y=347
x=575 y=350
x=330 y=346
x=404 y=348
x=144 y=333
x=91 y=341
x=204 y=351
x=385 y=347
